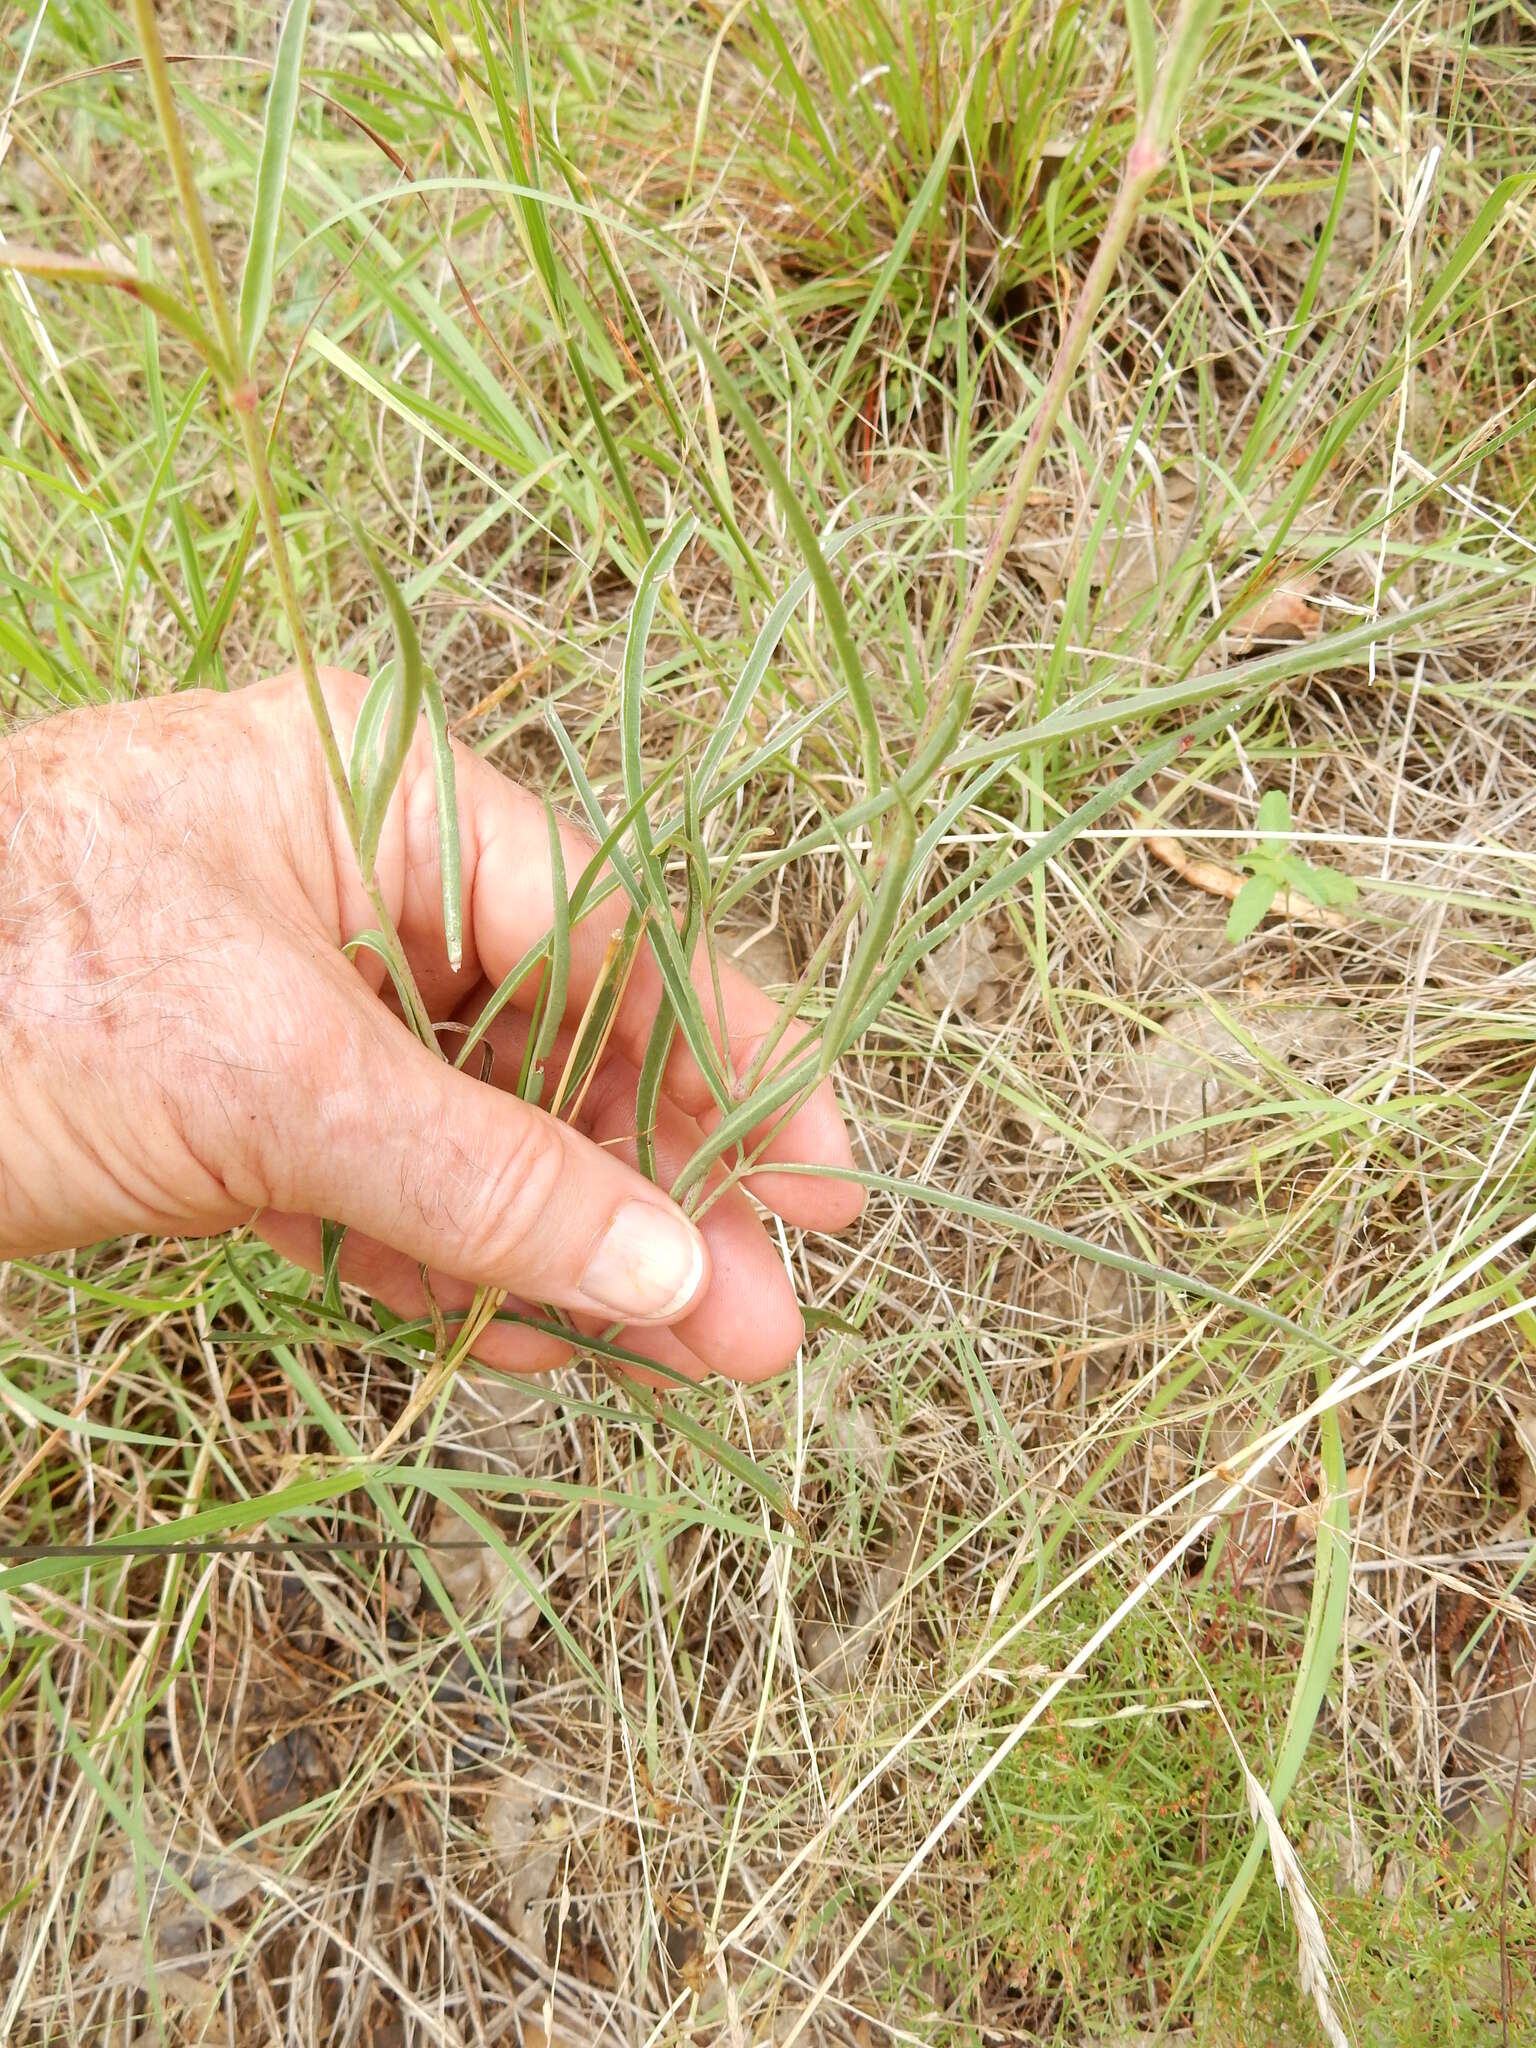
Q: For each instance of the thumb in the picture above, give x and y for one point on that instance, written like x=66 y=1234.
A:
x=477 y=1184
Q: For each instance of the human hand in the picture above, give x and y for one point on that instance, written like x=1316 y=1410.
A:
x=185 y=1046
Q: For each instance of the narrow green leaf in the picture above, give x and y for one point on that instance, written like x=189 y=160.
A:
x=896 y=260
x=272 y=179
x=152 y=509
x=807 y=542
x=870 y=954
x=632 y=685
x=1142 y=30
x=223 y=606
x=405 y=708
x=65 y=269
x=648 y=1095
x=593 y=1034
x=1306 y=881
x=607 y=856
x=1319 y=1655
x=558 y=973
x=699 y=1434
x=1279 y=384
x=373 y=942
x=331 y=1237
x=1490 y=213
x=191 y=567
x=764 y=648
x=670 y=956
x=1181 y=63
x=800 y=1073
x=450 y=858
x=931 y=1195
x=372 y=712
x=664 y=1030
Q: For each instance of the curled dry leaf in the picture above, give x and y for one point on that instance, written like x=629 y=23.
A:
x=528 y=1829
x=1496 y=1743
x=288 y=1772
x=1344 y=1854
x=121 y=1964
x=974 y=974
x=1288 y=227
x=1357 y=1479
x=1283 y=613
x=177 y=1925
x=1141 y=542
x=960 y=974
x=474 y=1575
x=1524 y=1430
x=835 y=1420
x=1086 y=1298
x=497 y=1420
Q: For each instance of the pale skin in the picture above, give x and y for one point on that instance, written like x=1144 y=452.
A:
x=186 y=1047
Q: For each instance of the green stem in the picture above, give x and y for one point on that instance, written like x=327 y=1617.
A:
x=244 y=400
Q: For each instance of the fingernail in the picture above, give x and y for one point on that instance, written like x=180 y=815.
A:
x=647 y=1266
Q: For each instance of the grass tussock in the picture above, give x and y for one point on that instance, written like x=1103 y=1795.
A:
x=1166 y=1430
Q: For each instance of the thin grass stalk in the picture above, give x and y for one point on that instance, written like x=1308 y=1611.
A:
x=1144 y=164
x=246 y=404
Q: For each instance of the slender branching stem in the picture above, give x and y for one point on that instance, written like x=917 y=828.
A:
x=245 y=402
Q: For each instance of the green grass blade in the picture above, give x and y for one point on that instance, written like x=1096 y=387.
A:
x=151 y=507
x=1142 y=32
x=332 y=1236
x=173 y=312
x=445 y=785
x=764 y=648
x=406 y=691
x=810 y=548
x=557 y=975
x=917 y=213
x=632 y=690
x=366 y=734
x=272 y=179
x=223 y=606
x=670 y=956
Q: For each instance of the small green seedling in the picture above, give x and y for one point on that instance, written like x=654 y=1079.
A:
x=1271 y=868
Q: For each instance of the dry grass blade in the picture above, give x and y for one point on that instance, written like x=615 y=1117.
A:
x=1314 y=1964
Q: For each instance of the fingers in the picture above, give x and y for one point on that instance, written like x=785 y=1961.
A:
x=388 y=1276
x=739 y=1021
x=747 y=1324
x=469 y=1180
x=391 y=1278
x=511 y=908
x=508 y=894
